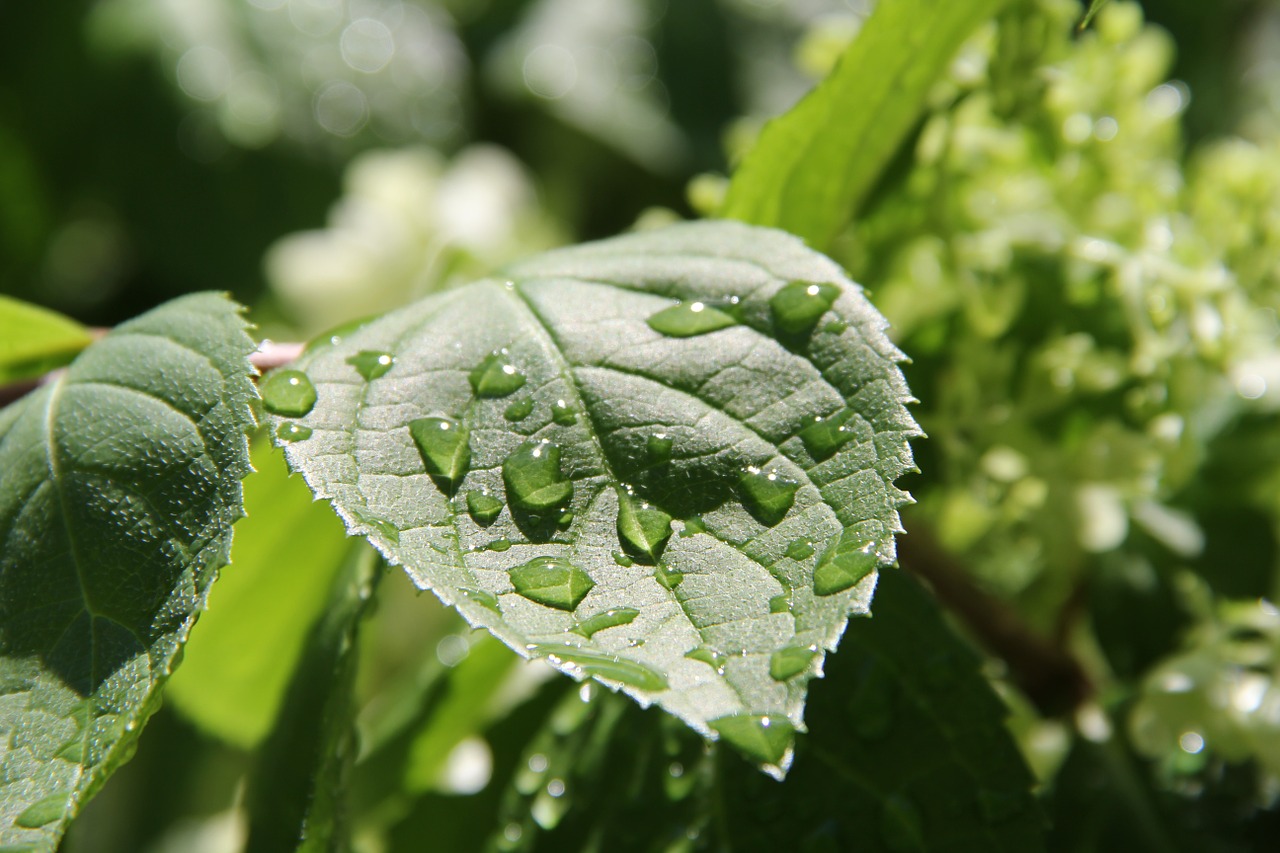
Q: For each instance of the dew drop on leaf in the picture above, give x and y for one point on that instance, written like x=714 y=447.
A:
x=372 y=364
x=608 y=667
x=563 y=414
x=288 y=393
x=786 y=663
x=825 y=436
x=293 y=432
x=798 y=306
x=484 y=599
x=799 y=549
x=643 y=530
x=781 y=603
x=693 y=526
x=496 y=376
x=519 y=410
x=623 y=560
x=669 y=578
x=764 y=737
x=686 y=319
x=849 y=560
x=45 y=811
x=533 y=478
x=606 y=619
x=552 y=581
x=445 y=448
x=709 y=656
x=766 y=495
x=499 y=545
x=484 y=509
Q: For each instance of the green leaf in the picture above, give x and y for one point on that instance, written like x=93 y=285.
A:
x=35 y=340
x=906 y=750
x=237 y=664
x=121 y=480
x=813 y=166
x=297 y=794
x=586 y=497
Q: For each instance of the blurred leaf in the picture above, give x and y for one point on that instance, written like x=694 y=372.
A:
x=287 y=551
x=813 y=166
x=785 y=515
x=906 y=749
x=121 y=482
x=297 y=794
x=35 y=340
x=1094 y=7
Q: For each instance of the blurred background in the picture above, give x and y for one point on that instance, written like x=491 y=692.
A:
x=1079 y=247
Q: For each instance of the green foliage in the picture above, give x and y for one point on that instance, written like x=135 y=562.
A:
x=812 y=168
x=34 y=340
x=587 y=533
x=122 y=480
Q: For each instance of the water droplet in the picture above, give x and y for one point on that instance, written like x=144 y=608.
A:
x=484 y=599
x=565 y=519
x=798 y=306
x=483 y=508
x=538 y=763
x=556 y=787
x=73 y=750
x=533 y=478
x=45 y=811
x=372 y=363
x=764 y=738
x=786 y=663
x=781 y=603
x=608 y=619
x=676 y=769
x=766 y=495
x=288 y=393
x=499 y=545
x=623 y=560
x=496 y=376
x=608 y=667
x=552 y=581
x=289 y=431
x=999 y=806
x=562 y=414
x=901 y=828
x=643 y=530
x=799 y=549
x=686 y=319
x=824 y=437
x=669 y=578
x=445 y=448
x=850 y=559
x=693 y=526
x=519 y=410
x=709 y=656
x=659 y=447
x=835 y=327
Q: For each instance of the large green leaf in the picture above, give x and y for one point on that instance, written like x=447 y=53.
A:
x=237 y=665
x=815 y=164
x=34 y=339
x=689 y=515
x=121 y=480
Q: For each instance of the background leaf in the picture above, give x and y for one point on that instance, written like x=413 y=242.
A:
x=1094 y=7
x=813 y=166
x=121 y=482
x=237 y=665
x=34 y=340
x=773 y=451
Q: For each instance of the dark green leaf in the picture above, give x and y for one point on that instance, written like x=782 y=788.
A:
x=813 y=166
x=697 y=434
x=121 y=480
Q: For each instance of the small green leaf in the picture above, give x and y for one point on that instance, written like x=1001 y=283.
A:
x=121 y=480
x=552 y=581
x=631 y=434
x=813 y=166
x=35 y=340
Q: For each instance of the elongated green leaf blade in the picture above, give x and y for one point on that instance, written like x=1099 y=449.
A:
x=121 y=480
x=298 y=790
x=907 y=750
x=34 y=340
x=815 y=164
x=702 y=429
x=1095 y=6
x=237 y=665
